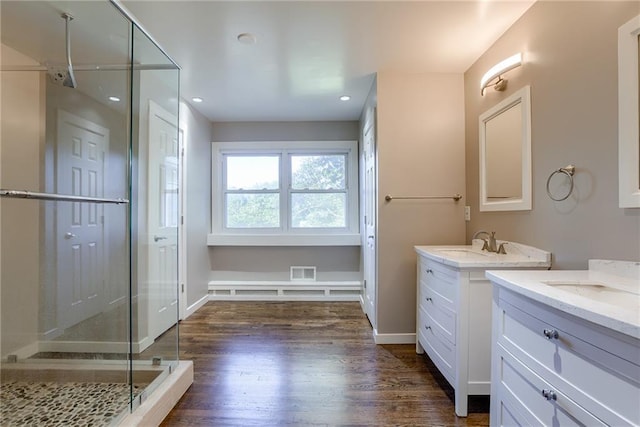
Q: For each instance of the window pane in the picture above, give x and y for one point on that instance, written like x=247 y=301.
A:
x=319 y=172
x=253 y=172
x=253 y=210
x=318 y=210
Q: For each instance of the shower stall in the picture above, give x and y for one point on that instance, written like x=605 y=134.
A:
x=89 y=213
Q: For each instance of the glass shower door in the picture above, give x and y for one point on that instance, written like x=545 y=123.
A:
x=88 y=214
x=64 y=249
x=156 y=148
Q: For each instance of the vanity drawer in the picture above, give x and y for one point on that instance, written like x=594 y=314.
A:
x=440 y=350
x=438 y=312
x=591 y=374
x=441 y=280
x=523 y=401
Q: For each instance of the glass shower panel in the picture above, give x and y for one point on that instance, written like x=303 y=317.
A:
x=155 y=174
x=64 y=286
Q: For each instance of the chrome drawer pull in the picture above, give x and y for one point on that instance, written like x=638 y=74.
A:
x=549 y=394
x=550 y=333
x=430 y=271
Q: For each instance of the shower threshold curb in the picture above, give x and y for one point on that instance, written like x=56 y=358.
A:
x=153 y=410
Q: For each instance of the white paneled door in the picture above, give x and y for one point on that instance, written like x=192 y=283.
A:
x=370 y=211
x=163 y=220
x=80 y=159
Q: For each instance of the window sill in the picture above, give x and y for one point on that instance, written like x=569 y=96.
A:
x=283 y=240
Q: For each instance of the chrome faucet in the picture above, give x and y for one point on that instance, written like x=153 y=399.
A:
x=479 y=232
x=490 y=242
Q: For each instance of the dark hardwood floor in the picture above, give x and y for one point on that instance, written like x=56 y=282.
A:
x=306 y=364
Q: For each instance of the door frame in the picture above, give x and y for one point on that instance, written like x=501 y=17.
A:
x=370 y=126
x=182 y=235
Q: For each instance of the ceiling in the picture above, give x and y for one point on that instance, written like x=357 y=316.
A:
x=309 y=53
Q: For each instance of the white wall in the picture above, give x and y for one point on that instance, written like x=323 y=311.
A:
x=197 y=141
x=420 y=137
x=21 y=155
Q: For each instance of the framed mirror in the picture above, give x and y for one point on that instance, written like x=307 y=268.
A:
x=505 y=154
x=629 y=114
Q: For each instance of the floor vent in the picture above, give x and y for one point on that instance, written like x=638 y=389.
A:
x=303 y=273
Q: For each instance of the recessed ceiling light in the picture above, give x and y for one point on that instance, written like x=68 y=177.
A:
x=247 y=38
x=345 y=98
x=197 y=99
x=114 y=99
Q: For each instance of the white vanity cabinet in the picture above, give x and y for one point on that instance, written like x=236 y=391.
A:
x=454 y=326
x=556 y=364
x=453 y=317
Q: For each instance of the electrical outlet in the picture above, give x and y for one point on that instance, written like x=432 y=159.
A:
x=467 y=213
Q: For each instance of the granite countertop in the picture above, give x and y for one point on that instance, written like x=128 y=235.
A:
x=472 y=256
x=608 y=294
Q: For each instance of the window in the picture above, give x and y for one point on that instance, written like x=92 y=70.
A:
x=251 y=191
x=318 y=190
x=285 y=193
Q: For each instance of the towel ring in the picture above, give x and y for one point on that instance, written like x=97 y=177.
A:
x=568 y=170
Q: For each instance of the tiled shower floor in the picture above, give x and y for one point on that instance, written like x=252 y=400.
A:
x=70 y=404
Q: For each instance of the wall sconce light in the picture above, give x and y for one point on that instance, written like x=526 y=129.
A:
x=496 y=72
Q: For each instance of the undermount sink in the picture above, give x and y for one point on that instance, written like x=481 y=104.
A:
x=597 y=291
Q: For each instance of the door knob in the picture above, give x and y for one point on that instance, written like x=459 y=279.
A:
x=158 y=238
x=69 y=236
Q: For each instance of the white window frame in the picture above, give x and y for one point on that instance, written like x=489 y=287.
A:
x=285 y=235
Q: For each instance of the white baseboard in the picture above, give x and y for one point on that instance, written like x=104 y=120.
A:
x=195 y=306
x=231 y=290
x=140 y=346
x=24 y=352
x=51 y=334
x=362 y=306
x=393 y=338
x=79 y=347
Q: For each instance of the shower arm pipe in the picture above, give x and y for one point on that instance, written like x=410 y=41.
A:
x=22 y=194
x=67 y=33
x=71 y=78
